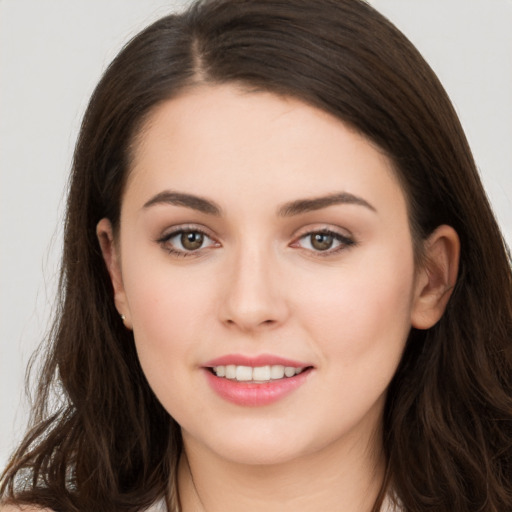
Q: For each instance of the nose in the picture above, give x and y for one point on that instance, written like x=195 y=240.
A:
x=254 y=295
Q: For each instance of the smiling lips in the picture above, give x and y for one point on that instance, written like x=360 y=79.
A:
x=255 y=381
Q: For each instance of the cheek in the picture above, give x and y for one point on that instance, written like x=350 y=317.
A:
x=360 y=327
x=362 y=313
x=168 y=312
x=168 y=308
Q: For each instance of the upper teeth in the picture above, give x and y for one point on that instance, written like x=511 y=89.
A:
x=257 y=373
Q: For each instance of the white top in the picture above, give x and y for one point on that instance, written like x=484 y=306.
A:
x=388 y=506
x=160 y=506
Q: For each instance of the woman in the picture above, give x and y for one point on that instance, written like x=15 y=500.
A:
x=283 y=286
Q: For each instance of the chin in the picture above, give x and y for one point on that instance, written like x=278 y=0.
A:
x=260 y=445
x=261 y=454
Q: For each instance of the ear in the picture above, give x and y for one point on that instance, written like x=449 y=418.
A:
x=110 y=252
x=436 y=277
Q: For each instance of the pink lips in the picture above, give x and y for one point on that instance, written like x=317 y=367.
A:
x=261 y=360
x=249 y=393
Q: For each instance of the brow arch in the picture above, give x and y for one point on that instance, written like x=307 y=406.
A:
x=299 y=206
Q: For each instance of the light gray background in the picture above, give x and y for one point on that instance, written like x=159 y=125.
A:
x=52 y=53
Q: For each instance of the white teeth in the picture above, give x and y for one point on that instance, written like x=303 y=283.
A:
x=256 y=374
x=243 y=373
x=230 y=371
x=277 y=372
x=261 y=373
x=289 y=371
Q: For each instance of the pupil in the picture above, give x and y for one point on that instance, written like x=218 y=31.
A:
x=322 y=241
x=192 y=240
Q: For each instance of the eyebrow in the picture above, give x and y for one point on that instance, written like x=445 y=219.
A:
x=188 y=200
x=290 y=209
x=307 y=205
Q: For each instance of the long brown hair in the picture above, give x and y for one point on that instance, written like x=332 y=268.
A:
x=100 y=440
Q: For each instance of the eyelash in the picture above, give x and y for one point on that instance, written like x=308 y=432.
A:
x=164 y=241
x=344 y=242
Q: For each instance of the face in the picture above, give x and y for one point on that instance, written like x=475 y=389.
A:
x=265 y=265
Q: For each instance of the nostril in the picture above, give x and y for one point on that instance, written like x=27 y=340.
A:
x=268 y=322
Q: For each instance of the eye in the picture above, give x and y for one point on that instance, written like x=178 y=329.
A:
x=191 y=240
x=325 y=241
x=184 y=242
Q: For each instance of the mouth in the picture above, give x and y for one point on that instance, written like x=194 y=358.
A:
x=256 y=380
x=257 y=374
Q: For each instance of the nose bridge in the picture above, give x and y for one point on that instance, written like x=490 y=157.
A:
x=254 y=297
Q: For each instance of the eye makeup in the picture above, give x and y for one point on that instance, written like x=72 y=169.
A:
x=324 y=241
x=186 y=241
x=191 y=240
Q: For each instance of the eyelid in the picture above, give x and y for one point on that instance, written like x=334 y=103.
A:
x=345 y=239
x=173 y=230
x=322 y=228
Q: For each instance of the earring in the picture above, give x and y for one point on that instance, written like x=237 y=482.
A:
x=123 y=318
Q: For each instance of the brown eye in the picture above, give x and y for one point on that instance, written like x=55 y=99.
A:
x=186 y=242
x=321 y=241
x=191 y=240
x=324 y=241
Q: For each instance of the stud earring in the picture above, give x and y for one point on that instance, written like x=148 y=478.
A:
x=123 y=318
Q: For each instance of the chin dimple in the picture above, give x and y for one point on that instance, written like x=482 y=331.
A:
x=257 y=374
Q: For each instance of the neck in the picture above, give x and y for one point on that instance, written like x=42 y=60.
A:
x=347 y=476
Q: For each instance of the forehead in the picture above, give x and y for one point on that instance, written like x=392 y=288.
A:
x=213 y=137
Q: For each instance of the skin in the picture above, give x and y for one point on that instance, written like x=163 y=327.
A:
x=259 y=286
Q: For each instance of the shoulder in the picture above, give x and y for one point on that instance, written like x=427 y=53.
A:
x=22 y=508
x=157 y=507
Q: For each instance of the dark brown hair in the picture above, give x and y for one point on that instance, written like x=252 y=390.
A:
x=100 y=440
